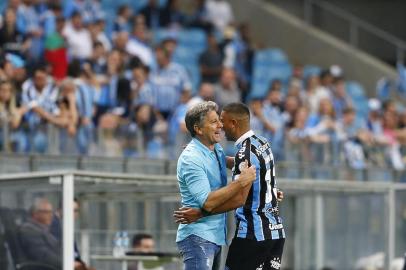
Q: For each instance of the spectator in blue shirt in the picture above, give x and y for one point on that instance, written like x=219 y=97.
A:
x=89 y=9
x=170 y=80
x=272 y=111
x=40 y=96
x=202 y=178
x=142 y=91
x=49 y=18
x=28 y=23
x=138 y=43
x=98 y=62
x=121 y=23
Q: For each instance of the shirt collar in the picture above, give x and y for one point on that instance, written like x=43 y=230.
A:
x=246 y=135
x=203 y=147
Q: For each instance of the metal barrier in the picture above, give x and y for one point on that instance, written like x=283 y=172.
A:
x=4 y=133
x=298 y=159
x=328 y=223
x=292 y=168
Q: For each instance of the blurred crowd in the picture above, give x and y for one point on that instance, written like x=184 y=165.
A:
x=75 y=79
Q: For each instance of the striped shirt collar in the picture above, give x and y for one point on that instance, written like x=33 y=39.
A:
x=246 y=135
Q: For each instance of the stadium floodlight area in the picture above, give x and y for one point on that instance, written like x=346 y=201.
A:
x=336 y=224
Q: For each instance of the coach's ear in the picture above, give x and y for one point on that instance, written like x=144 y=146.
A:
x=198 y=130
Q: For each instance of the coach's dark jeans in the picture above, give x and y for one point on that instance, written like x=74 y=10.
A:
x=199 y=254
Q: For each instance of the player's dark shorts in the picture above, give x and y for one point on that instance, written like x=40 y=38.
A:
x=250 y=254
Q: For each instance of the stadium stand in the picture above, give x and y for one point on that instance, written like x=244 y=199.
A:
x=96 y=100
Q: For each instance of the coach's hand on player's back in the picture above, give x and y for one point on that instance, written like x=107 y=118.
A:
x=248 y=174
x=187 y=215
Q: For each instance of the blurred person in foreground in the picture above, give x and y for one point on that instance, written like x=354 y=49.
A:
x=38 y=244
x=260 y=236
x=202 y=179
x=143 y=244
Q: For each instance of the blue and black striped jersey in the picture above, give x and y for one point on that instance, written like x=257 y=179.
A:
x=259 y=218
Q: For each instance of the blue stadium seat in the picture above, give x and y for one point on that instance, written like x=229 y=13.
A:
x=112 y=6
x=185 y=55
x=361 y=107
x=311 y=70
x=194 y=74
x=270 y=56
x=3 y=6
x=360 y=100
x=161 y=34
x=195 y=39
x=269 y=64
x=137 y=5
x=109 y=23
x=355 y=90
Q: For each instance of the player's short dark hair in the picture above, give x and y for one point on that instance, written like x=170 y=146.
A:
x=196 y=114
x=237 y=108
x=137 y=239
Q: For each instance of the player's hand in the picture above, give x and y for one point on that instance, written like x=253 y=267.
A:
x=248 y=174
x=279 y=195
x=187 y=215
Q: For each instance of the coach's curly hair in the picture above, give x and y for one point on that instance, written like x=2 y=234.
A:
x=196 y=114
